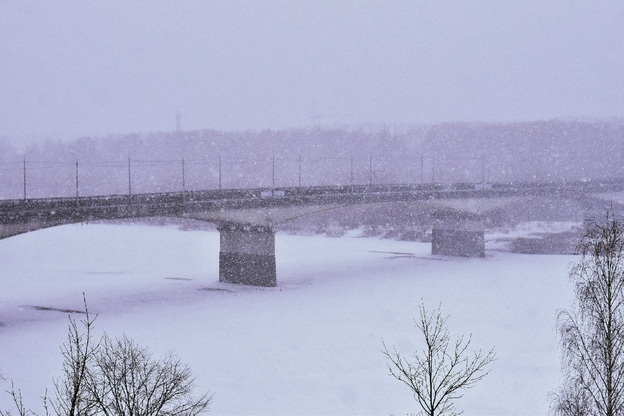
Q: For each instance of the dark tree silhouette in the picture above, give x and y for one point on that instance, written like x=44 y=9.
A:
x=116 y=377
x=439 y=372
x=592 y=332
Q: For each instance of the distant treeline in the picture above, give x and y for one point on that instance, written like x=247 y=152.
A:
x=454 y=152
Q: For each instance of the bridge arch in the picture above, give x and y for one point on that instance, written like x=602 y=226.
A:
x=11 y=230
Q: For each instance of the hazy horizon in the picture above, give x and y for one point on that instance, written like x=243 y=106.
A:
x=71 y=69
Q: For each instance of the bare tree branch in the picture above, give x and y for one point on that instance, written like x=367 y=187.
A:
x=71 y=392
x=128 y=380
x=117 y=377
x=440 y=371
x=592 y=332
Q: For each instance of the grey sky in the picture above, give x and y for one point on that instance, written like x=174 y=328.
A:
x=72 y=68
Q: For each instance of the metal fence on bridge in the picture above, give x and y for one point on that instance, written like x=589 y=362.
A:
x=30 y=178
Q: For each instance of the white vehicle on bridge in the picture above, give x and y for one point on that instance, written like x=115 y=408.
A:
x=272 y=194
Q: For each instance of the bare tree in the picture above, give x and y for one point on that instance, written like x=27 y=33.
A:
x=117 y=377
x=72 y=396
x=71 y=389
x=18 y=401
x=592 y=332
x=127 y=380
x=441 y=370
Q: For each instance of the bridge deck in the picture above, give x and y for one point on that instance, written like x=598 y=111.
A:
x=179 y=203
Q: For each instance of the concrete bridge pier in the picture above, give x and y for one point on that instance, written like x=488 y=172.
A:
x=458 y=234
x=247 y=254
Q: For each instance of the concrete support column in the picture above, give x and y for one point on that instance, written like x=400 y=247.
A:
x=247 y=255
x=455 y=234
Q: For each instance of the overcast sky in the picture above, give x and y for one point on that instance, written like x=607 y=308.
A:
x=73 y=68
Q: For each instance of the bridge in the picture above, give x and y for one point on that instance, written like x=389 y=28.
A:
x=246 y=218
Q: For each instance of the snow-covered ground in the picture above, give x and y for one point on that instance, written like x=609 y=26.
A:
x=312 y=345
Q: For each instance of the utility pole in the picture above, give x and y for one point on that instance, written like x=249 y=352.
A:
x=273 y=189
x=76 y=156
x=183 y=183
x=25 y=173
x=370 y=171
x=351 y=174
x=24 y=177
x=299 y=171
x=219 y=173
x=77 y=180
x=129 y=180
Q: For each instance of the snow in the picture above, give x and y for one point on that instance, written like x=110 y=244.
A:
x=312 y=345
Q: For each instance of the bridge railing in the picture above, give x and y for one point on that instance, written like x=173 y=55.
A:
x=137 y=167
x=264 y=193
x=70 y=175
